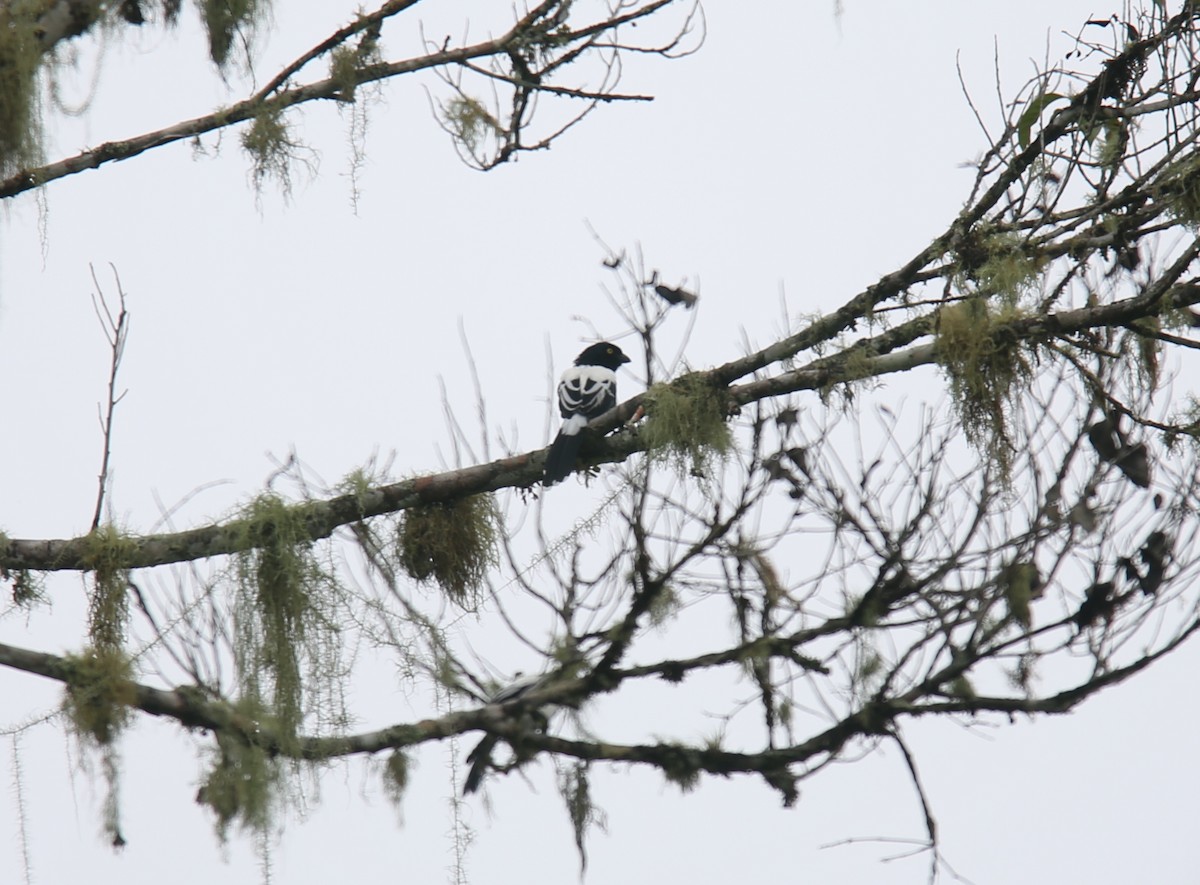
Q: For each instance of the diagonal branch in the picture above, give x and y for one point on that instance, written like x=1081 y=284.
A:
x=272 y=98
x=525 y=470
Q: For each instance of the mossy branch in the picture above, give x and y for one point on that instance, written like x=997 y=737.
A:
x=275 y=99
x=195 y=709
x=321 y=518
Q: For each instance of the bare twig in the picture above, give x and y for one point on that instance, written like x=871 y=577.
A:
x=116 y=331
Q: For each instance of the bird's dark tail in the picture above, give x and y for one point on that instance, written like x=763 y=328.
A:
x=480 y=758
x=561 y=459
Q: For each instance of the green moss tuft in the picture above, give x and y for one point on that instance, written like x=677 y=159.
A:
x=1187 y=422
x=227 y=21
x=469 y=122
x=395 y=776
x=1110 y=146
x=20 y=112
x=997 y=263
x=868 y=666
x=284 y=611
x=786 y=711
x=960 y=687
x=680 y=766
x=1021 y=584
x=107 y=554
x=686 y=423
x=100 y=694
x=28 y=588
x=345 y=62
x=574 y=786
x=664 y=606
x=1179 y=189
x=985 y=367
x=1022 y=675
x=454 y=544
x=1144 y=341
x=244 y=782
x=343 y=70
x=273 y=151
x=359 y=483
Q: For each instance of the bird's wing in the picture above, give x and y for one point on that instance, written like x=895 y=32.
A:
x=587 y=390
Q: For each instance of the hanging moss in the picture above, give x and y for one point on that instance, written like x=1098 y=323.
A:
x=1187 y=420
x=98 y=704
x=1178 y=189
x=272 y=149
x=20 y=113
x=680 y=765
x=1021 y=676
x=286 y=638
x=229 y=21
x=454 y=544
x=107 y=554
x=997 y=263
x=28 y=588
x=1021 y=584
x=1143 y=340
x=469 y=122
x=345 y=62
x=244 y=782
x=664 y=606
x=574 y=786
x=395 y=776
x=986 y=367
x=100 y=693
x=686 y=424
x=868 y=665
x=1109 y=147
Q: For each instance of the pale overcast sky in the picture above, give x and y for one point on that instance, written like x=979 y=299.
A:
x=799 y=155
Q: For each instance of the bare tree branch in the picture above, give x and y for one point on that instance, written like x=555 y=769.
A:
x=116 y=330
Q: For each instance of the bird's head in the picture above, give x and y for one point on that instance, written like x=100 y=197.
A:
x=602 y=354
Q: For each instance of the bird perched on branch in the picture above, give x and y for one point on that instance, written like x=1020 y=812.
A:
x=587 y=390
x=480 y=758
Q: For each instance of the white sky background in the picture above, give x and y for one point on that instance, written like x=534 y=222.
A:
x=796 y=153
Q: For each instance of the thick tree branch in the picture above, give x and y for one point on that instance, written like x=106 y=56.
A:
x=274 y=99
x=193 y=708
x=524 y=470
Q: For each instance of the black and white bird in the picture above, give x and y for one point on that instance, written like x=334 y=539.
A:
x=480 y=758
x=587 y=390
